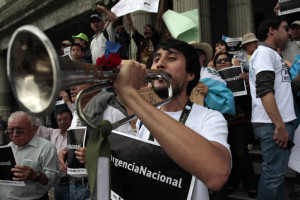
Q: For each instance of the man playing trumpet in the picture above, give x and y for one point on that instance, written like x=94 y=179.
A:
x=198 y=143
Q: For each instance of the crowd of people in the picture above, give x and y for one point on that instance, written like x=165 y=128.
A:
x=209 y=141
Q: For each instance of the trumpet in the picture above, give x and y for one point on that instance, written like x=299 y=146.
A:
x=37 y=75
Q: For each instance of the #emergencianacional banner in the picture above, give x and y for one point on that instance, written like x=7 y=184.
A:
x=142 y=170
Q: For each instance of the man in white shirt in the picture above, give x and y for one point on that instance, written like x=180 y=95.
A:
x=102 y=34
x=272 y=106
x=200 y=146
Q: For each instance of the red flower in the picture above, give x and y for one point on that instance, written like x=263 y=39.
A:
x=113 y=60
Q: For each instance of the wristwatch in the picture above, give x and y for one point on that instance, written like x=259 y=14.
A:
x=38 y=177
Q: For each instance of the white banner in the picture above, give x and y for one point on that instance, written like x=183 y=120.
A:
x=128 y=6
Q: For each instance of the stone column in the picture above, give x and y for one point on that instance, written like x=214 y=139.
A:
x=184 y=5
x=205 y=21
x=5 y=97
x=204 y=15
x=5 y=92
x=240 y=17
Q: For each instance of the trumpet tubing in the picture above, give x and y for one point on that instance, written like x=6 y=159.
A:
x=37 y=74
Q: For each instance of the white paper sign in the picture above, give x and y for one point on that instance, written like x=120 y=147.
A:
x=288 y=6
x=128 y=6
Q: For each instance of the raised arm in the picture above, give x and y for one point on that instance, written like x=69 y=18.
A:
x=130 y=23
x=111 y=17
x=209 y=161
x=159 y=16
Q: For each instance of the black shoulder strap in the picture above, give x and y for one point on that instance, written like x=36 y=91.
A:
x=186 y=111
x=183 y=117
x=105 y=33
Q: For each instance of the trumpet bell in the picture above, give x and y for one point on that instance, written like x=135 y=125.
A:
x=37 y=74
x=31 y=65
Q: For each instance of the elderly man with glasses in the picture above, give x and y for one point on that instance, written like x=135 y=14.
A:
x=36 y=159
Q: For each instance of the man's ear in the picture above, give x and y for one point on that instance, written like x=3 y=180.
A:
x=190 y=76
x=271 y=30
x=34 y=128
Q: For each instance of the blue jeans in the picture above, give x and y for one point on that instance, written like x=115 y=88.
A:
x=61 y=191
x=79 y=189
x=275 y=162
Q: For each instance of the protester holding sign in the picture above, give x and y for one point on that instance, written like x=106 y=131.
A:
x=147 y=42
x=97 y=107
x=58 y=137
x=102 y=34
x=197 y=142
x=214 y=88
x=36 y=159
x=249 y=45
x=239 y=128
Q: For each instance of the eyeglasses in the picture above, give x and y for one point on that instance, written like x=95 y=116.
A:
x=219 y=61
x=17 y=131
x=286 y=28
x=60 y=120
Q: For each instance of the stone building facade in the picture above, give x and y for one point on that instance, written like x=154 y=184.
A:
x=60 y=19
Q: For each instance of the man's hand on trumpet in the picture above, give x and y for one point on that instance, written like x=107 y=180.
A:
x=130 y=78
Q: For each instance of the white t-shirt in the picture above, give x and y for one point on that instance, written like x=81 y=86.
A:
x=98 y=43
x=206 y=122
x=267 y=59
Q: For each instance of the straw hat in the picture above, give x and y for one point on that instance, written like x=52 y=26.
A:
x=66 y=42
x=247 y=38
x=205 y=47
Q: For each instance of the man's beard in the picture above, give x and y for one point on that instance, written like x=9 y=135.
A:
x=163 y=92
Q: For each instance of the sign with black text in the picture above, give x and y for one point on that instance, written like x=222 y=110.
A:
x=288 y=6
x=234 y=83
x=75 y=138
x=233 y=43
x=142 y=170
x=7 y=162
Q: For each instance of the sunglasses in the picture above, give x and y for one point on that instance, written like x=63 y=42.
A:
x=286 y=28
x=219 y=61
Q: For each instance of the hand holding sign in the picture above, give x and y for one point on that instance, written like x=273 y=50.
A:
x=128 y=6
